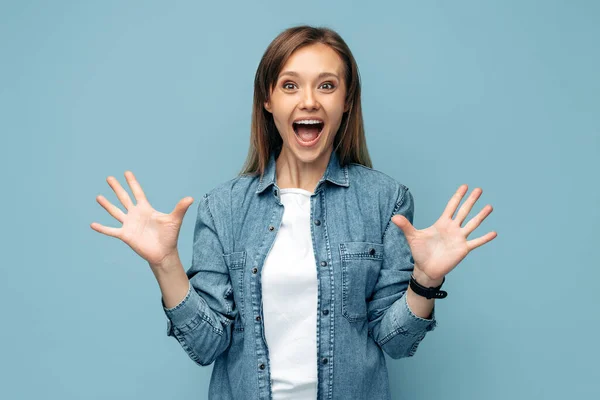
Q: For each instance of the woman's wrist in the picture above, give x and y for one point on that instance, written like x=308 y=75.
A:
x=423 y=280
x=168 y=264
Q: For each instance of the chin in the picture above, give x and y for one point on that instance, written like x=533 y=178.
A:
x=309 y=155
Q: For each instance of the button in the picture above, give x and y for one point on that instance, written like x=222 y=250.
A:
x=372 y=251
x=317 y=222
x=325 y=312
x=275 y=192
x=271 y=227
x=323 y=263
x=261 y=366
x=258 y=318
x=324 y=360
x=254 y=270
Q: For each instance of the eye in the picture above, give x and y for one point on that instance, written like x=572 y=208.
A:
x=288 y=85
x=331 y=85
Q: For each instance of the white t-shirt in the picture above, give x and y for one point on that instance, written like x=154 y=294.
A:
x=289 y=292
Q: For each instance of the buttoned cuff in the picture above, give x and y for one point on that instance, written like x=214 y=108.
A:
x=188 y=308
x=407 y=321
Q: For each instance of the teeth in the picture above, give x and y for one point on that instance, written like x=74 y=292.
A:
x=308 y=121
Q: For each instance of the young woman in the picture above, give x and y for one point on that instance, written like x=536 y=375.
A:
x=306 y=266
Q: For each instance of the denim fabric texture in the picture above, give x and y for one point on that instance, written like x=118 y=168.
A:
x=363 y=267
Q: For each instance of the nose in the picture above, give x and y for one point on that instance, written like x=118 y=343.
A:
x=309 y=100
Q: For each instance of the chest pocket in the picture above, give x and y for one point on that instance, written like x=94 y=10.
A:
x=236 y=263
x=361 y=263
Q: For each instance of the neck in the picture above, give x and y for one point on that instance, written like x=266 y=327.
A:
x=292 y=172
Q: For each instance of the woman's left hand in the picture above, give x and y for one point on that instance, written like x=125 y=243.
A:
x=437 y=250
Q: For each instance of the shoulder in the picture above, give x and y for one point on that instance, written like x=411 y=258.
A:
x=376 y=182
x=232 y=191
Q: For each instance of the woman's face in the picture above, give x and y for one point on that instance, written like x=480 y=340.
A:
x=310 y=87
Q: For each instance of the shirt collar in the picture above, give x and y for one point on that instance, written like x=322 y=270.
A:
x=334 y=173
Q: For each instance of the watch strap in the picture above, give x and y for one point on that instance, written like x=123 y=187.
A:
x=431 y=292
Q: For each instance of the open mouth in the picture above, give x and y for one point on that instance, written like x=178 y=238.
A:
x=308 y=132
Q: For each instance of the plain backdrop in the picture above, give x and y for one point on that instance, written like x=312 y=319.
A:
x=502 y=95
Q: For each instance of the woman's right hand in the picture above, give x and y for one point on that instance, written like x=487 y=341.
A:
x=151 y=234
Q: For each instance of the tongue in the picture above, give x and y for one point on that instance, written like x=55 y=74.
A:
x=308 y=133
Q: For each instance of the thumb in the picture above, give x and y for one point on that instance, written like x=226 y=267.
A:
x=404 y=224
x=182 y=207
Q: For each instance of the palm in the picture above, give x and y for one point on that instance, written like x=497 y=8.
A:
x=151 y=234
x=437 y=250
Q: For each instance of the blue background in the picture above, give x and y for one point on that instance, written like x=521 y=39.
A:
x=498 y=95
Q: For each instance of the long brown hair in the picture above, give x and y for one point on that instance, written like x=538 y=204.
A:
x=349 y=142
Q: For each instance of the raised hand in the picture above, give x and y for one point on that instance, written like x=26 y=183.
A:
x=437 y=250
x=151 y=234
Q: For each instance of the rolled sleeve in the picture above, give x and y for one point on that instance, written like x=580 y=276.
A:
x=184 y=312
x=201 y=322
x=405 y=318
x=392 y=324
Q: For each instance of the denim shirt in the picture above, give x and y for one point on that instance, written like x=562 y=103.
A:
x=363 y=264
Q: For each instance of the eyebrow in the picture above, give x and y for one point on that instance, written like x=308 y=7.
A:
x=321 y=75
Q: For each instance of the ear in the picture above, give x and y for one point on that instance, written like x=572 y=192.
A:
x=348 y=107
x=267 y=106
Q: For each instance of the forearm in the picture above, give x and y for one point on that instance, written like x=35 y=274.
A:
x=172 y=280
x=401 y=327
x=419 y=305
x=201 y=330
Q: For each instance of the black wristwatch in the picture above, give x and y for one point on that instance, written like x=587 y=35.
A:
x=431 y=292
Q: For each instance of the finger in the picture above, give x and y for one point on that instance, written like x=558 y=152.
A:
x=475 y=243
x=182 y=207
x=136 y=189
x=111 y=208
x=455 y=201
x=404 y=224
x=477 y=220
x=114 y=232
x=467 y=206
x=122 y=195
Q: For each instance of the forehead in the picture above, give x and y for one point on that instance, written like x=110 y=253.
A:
x=314 y=59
